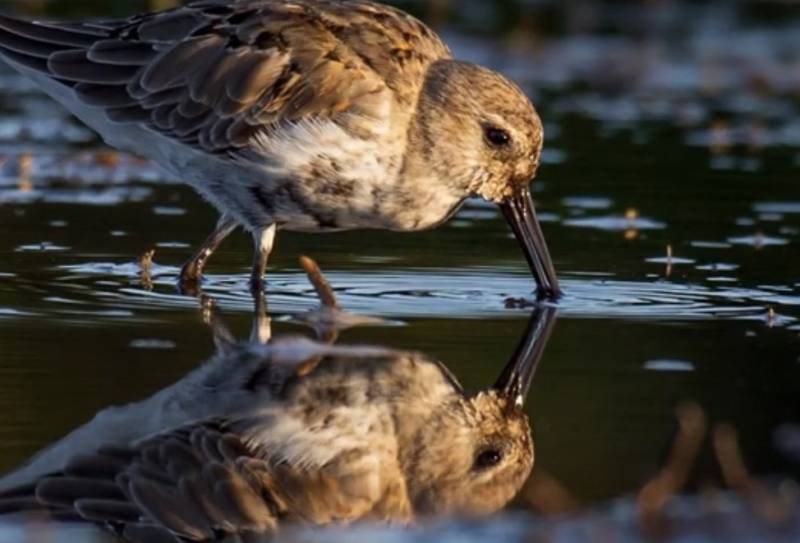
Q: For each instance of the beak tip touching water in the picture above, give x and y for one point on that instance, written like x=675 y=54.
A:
x=521 y=216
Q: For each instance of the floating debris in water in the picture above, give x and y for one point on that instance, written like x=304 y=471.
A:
x=772 y=317
x=25 y=183
x=670 y=259
x=146 y=269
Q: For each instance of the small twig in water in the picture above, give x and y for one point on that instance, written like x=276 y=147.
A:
x=770 y=506
x=146 y=267
x=321 y=285
x=673 y=476
x=546 y=495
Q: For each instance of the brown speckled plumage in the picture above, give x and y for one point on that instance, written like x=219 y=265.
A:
x=307 y=115
x=262 y=442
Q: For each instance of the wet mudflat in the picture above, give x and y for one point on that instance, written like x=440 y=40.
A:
x=669 y=197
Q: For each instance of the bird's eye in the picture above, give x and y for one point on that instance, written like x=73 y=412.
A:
x=488 y=458
x=497 y=137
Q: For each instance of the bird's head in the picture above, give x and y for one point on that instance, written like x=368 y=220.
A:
x=473 y=454
x=473 y=458
x=481 y=136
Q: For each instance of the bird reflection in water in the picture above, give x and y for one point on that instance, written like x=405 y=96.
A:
x=293 y=432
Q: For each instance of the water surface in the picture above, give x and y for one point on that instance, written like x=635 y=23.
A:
x=670 y=202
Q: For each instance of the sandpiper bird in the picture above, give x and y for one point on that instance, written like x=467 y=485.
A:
x=302 y=115
x=260 y=438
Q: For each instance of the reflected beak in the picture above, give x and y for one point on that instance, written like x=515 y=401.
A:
x=521 y=216
x=517 y=377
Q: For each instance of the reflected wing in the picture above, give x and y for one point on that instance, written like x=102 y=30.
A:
x=204 y=483
x=212 y=74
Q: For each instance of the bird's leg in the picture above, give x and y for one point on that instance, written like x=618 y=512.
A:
x=261 y=332
x=224 y=340
x=193 y=270
x=264 y=239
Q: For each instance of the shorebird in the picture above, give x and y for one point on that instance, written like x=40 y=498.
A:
x=298 y=433
x=299 y=115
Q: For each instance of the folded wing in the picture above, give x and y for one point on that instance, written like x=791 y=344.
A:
x=204 y=483
x=212 y=74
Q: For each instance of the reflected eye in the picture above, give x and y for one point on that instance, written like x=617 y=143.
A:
x=497 y=137
x=488 y=458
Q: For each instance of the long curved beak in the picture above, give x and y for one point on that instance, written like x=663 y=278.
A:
x=521 y=217
x=517 y=377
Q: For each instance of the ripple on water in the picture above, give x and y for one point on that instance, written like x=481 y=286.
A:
x=710 y=245
x=670 y=260
x=669 y=366
x=104 y=197
x=10 y=312
x=780 y=208
x=468 y=293
x=169 y=211
x=153 y=344
x=42 y=247
x=759 y=241
x=588 y=202
x=718 y=267
x=614 y=223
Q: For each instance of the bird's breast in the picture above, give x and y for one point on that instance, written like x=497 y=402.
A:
x=326 y=175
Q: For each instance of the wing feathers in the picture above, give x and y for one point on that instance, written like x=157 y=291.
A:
x=212 y=74
x=245 y=508
x=29 y=47
x=170 y=26
x=121 y=52
x=183 y=59
x=162 y=505
x=113 y=96
x=100 y=510
x=258 y=71
x=19 y=505
x=28 y=61
x=46 y=33
x=74 y=65
x=132 y=114
x=63 y=491
x=137 y=533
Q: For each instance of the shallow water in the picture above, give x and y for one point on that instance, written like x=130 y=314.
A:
x=638 y=160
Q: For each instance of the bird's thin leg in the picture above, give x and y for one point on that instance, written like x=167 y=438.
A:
x=264 y=239
x=224 y=340
x=261 y=332
x=193 y=270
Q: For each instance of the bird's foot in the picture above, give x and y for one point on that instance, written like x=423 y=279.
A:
x=190 y=278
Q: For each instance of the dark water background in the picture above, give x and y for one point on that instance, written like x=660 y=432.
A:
x=667 y=124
